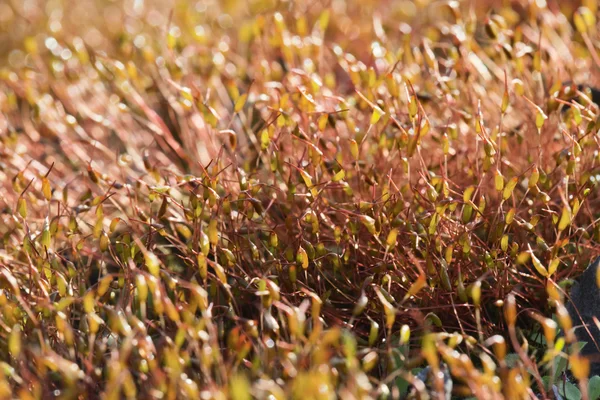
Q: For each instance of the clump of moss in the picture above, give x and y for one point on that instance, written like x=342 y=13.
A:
x=295 y=200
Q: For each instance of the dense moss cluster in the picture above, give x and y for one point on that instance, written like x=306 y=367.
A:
x=273 y=199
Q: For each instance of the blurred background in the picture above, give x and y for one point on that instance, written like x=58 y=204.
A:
x=112 y=25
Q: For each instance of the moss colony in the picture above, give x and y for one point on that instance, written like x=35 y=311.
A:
x=310 y=199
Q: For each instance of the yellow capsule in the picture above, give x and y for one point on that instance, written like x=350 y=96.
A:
x=103 y=285
x=538 y=265
x=404 y=334
x=448 y=256
x=213 y=234
x=104 y=241
x=584 y=19
x=152 y=263
x=412 y=107
x=113 y=224
x=204 y=243
x=565 y=219
x=369 y=223
x=62 y=284
x=89 y=301
x=322 y=122
x=505 y=101
x=552 y=291
x=476 y=293
x=14 y=341
x=563 y=318
x=302 y=258
x=142 y=288
x=369 y=361
x=46 y=237
x=509 y=188
x=377 y=114
x=580 y=366
x=445 y=278
x=392 y=238
x=46 y=189
x=202 y=265
x=94 y=322
x=540 y=118
x=550 y=327
x=354 y=148
x=445 y=144
x=373 y=332
x=510 y=310
x=240 y=102
x=22 y=207
x=510 y=215
x=553 y=266
x=504 y=243
x=339 y=176
x=498 y=181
